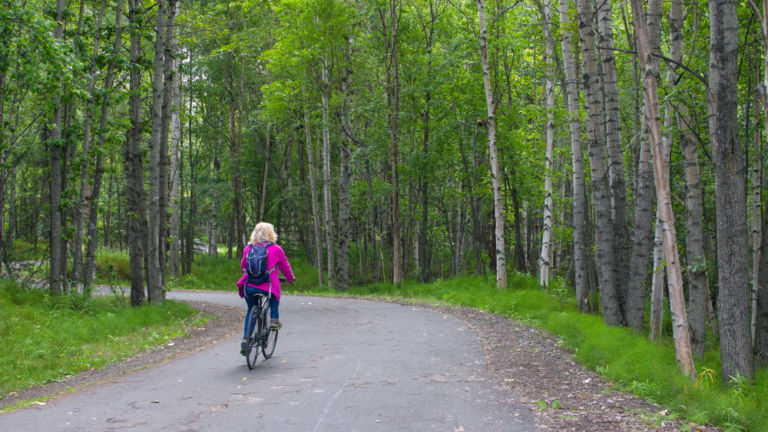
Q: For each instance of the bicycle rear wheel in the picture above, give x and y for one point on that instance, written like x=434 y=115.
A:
x=270 y=336
x=253 y=346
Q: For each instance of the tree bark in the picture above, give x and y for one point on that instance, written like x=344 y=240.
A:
x=56 y=147
x=577 y=161
x=154 y=288
x=549 y=138
x=674 y=273
x=599 y=169
x=393 y=106
x=174 y=234
x=699 y=302
x=137 y=222
x=621 y=247
x=730 y=194
x=635 y=296
x=169 y=79
x=498 y=211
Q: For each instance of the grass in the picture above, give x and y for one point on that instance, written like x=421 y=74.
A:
x=45 y=337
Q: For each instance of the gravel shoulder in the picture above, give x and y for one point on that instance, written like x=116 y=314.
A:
x=526 y=361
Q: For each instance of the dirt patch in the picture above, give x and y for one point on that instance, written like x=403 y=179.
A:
x=224 y=322
x=565 y=395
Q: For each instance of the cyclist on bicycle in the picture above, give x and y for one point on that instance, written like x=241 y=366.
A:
x=264 y=233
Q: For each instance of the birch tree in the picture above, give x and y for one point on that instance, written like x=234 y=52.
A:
x=498 y=210
x=549 y=138
x=577 y=159
x=674 y=273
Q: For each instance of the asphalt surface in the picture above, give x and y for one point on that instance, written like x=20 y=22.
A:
x=340 y=365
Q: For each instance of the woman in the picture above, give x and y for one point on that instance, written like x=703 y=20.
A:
x=264 y=233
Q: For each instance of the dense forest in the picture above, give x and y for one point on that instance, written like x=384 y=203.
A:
x=616 y=146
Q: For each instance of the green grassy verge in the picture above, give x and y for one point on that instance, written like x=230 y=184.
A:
x=45 y=338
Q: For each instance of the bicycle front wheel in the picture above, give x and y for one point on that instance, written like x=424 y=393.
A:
x=253 y=346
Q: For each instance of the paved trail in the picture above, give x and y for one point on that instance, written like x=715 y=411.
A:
x=340 y=365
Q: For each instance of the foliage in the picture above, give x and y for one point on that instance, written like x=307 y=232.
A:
x=46 y=337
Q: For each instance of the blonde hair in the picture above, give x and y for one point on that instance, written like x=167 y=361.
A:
x=263 y=232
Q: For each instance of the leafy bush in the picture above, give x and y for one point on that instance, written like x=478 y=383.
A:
x=112 y=267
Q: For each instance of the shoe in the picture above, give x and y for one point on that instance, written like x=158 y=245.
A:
x=276 y=323
x=243 y=347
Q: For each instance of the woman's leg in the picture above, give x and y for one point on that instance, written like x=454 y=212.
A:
x=273 y=308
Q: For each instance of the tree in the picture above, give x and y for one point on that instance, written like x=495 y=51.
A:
x=498 y=211
x=604 y=232
x=660 y=170
x=135 y=196
x=57 y=145
x=577 y=160
x=730 y=194
x=549 y=138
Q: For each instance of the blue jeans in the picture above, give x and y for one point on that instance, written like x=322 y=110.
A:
x=251 y=302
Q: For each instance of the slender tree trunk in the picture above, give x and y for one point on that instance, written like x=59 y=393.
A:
x=642 y=241
x=699 y=302
x=153 y=253
x=730 y=194
x=344 y=171
x=213 y=227
x=56 y=148
x=134 y=171
x=761 y=318
x=604 y=232
x=635 y=296
x=175 y=176
x=674 y=273
x=393 y=106
x=93 y=212
x=264 y=179
x=549 y=138
x=621 y=238
x=79 y=219
x=313 y=193
x=657 y=281
x=170 y=77
x=238 y=215
x=327 y=206
x=577 y=161
x=498 y=211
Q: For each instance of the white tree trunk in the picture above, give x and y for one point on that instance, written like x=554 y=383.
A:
x=549 y=139
x=577 y=161
x=327 y=174
x=498 y=210
x=674 y=273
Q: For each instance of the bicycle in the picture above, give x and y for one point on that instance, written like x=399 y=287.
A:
x=262 y=336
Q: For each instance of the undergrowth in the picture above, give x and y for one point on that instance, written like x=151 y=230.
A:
x=46 y=337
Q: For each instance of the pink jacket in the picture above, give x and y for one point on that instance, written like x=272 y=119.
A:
x=275 y=258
